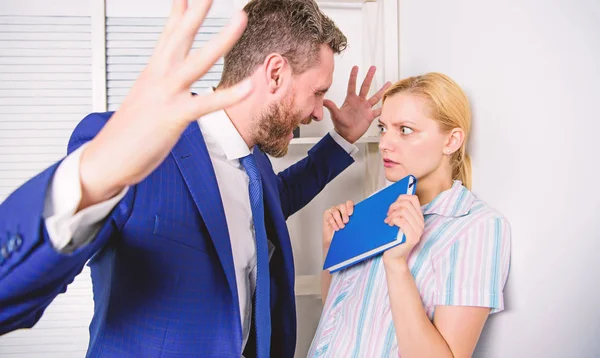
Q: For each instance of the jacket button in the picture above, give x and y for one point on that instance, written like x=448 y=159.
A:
x=10 y=245
x=18 y=241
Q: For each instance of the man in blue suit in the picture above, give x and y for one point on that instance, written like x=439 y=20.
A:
x=183 y=219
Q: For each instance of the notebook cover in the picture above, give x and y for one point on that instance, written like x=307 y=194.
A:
x=366 y=234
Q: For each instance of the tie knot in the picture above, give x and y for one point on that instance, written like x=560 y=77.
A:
x=249 y=163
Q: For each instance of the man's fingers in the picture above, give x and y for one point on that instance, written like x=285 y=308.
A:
x=222 y=98
x=352 y=80
x=364 y=89
x=377 y=96
x=178 y=8
x=376 y=113
x=191 y=22
x=332 y=108
x=201 y=60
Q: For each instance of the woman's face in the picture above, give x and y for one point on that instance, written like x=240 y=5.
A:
x=411 y=142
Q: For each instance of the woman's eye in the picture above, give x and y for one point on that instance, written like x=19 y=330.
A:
x=381 y=129
x=406 y=130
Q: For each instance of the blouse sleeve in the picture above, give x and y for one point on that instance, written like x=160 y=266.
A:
x=473 y=270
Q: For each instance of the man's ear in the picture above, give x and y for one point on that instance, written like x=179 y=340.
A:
x=276 y=72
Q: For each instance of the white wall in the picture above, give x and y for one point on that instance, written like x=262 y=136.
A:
x=531 y=69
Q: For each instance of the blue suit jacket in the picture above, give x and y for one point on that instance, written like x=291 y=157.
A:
x=162 y=266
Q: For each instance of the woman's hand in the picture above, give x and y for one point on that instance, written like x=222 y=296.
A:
x=407 y=215
x=334 y=219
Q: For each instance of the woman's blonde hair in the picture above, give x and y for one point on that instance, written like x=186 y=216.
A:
x=449 y=107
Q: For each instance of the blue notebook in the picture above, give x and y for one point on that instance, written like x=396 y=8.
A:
x=366 y=234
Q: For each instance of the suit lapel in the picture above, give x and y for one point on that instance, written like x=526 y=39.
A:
x=194 y=162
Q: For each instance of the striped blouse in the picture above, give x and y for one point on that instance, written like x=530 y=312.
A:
x=462 y=259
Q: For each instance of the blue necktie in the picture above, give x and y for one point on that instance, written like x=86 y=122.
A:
x=262 y=310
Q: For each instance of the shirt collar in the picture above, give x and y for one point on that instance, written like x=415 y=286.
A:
x=454 y=202
x=218 y=129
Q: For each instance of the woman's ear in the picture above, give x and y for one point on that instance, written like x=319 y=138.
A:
x=456 y=137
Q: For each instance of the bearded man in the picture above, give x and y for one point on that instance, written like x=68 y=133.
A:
x=173 y=200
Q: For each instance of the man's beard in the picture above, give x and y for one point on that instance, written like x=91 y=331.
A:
x=275 y=126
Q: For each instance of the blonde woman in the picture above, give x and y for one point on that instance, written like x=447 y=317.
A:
x=431 y=296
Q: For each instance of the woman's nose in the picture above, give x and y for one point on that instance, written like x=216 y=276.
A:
x=384 y=144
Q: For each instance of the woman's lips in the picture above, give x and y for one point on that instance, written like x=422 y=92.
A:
x=389 y=163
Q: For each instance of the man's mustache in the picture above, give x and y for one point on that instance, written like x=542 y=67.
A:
x=307 y=120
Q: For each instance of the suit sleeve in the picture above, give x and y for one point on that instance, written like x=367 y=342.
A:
x=301 y=182
x=66 y=230
x=32 y=271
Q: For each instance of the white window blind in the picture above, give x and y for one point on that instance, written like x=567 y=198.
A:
x=129 y=44
x=45 y=90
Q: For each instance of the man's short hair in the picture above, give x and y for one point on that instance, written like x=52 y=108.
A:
x=296 y=29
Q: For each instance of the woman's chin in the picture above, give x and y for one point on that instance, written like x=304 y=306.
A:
x=394 y=175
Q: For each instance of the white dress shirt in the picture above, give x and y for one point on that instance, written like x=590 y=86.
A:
x=225 y=145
